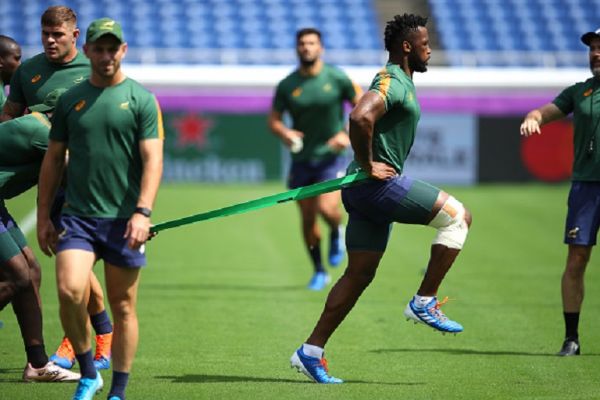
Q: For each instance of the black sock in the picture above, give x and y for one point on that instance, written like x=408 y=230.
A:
x=571 y=325
x=315 y=255
x=101 y=323
x=119 y=383
x=86 y=365
x=36 y=355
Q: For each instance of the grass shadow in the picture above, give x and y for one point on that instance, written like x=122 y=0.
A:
x=204 y=378
x=463 y=352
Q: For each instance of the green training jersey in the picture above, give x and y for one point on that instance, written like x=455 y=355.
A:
x=582 y=100
x=394 y=133
x=316 y=106
x=24 y=140
x=102 y=128
x=23 y=143
x=36 y=77
x=2 y=94
x=18 y=179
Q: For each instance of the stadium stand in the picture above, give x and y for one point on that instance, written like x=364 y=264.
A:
x=514 y=33
x=216 y=31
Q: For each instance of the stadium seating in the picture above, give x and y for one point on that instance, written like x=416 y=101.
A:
x=542 y=33
x=216 y=31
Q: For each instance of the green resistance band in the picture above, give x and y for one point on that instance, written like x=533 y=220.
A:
x=263 y=202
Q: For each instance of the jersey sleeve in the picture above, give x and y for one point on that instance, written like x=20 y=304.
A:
x=565 y=101
x=150 y=119
x=279 y=101
x=350 y=89
x=16 y=94
x=59 y=131
x=389 y=89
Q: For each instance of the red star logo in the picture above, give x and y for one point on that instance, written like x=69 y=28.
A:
x=192 y=130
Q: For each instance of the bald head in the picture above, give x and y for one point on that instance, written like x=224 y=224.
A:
x=10 y=57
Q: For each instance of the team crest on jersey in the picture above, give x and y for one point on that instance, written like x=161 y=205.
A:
x=588 y=92
x=79 y=105
x=124 y=106
x=36 y=78
x=327 y=87
x=297 y=92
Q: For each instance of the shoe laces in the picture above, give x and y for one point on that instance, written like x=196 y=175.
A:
x=103 y=343
x=65 y=350
x=437 y=312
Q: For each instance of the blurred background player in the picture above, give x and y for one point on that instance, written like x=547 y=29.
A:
x=10 y=59
x=109 y=198
x=60 y=66
x=382 y=131
x=314 y=96
x=583 y=216
x=23 y=143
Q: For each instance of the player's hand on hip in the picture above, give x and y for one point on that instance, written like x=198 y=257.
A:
x=137 y=231
x=47 y=236
x=339 y=141
x=381 y=171
x=530 y=126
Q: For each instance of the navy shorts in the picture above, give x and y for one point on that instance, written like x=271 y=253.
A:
x=101 y=236
x=583 y=217
x=12 y=240
x=374 y=205
x=304 y=173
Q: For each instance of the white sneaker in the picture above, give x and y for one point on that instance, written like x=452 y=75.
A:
x=49 y=373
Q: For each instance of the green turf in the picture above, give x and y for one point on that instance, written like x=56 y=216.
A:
x=222 y=306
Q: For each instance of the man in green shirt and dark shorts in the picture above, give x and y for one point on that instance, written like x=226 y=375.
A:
x=583 y=216
x=382 y=131
x=60 y=66
x=112 y=128
x=23 y=143
x=314 y=96
x=10 y=59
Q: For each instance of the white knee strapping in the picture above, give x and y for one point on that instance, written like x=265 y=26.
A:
x=451 y=225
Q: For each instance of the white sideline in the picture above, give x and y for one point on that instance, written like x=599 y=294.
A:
x=27 y=225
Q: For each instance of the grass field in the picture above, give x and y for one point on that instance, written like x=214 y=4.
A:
x=222 y=306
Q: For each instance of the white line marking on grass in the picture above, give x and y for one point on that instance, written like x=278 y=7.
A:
x=28 y=223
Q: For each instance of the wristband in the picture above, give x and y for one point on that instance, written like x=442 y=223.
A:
x=146 y=212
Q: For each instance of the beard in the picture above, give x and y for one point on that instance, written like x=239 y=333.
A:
x=307 y=62
x=416 y=64
x=595 y=71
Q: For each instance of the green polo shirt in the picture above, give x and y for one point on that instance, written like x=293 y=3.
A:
x=102 y=128
x=394 y=133
x=583 y=100
x=316 y=106
x=36 y=77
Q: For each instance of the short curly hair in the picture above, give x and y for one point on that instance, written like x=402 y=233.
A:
x=399 y=29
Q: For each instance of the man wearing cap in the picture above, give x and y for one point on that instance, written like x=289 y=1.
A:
x=112 y=128
x=23 y=143
x=583 y=216
x=61 y=65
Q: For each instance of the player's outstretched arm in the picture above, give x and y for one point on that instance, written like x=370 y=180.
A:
x=538 y=117
x=369 y=109
x=50 y=177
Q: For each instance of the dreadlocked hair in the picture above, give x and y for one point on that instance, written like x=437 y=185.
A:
x=399 y=29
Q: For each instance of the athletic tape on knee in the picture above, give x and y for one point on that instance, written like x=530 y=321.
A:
x=451 y=225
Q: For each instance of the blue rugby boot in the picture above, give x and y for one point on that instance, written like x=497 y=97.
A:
x=337 y=247
x=318 y=281
x=432 y=315
x=313 y=367
x=88 y=387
